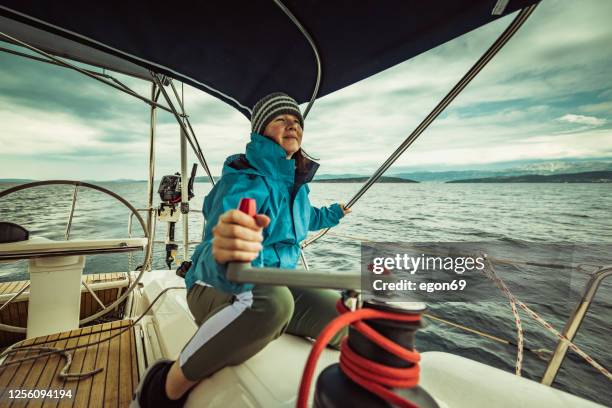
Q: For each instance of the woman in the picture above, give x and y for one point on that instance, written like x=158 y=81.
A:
x=238 y=320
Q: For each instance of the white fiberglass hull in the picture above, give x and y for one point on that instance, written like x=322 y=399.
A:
x=271 y=378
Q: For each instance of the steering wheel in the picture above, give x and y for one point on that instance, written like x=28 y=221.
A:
x=77 y=184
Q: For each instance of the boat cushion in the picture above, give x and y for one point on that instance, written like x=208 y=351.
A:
x=10 y=232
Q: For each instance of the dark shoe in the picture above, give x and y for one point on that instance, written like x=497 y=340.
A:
x=145 y=382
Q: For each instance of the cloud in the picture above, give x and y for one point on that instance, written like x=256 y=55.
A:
x=516 y=109
x=582 y=120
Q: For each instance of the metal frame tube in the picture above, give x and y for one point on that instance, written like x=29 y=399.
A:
x=240 y=272
x=184 y=176
x=91 y=292
x=304 y=261
x=184 y=195
x=74 y=198
x=151 y=179
x=14 y=296
x=573 y=324
x=460 y=86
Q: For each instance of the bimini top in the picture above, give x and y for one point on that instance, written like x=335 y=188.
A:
x=239 y=51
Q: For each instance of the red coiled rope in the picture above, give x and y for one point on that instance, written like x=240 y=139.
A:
x=372 y=376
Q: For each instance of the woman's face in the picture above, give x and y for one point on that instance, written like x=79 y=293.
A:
x=286 y=131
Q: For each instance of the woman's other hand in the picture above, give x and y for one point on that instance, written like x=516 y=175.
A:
x=344 y=209
x=238 y=237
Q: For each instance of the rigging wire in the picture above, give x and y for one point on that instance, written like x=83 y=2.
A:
x=197 y=150
x=195 y=138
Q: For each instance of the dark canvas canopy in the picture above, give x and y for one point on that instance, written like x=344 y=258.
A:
x=240 y=51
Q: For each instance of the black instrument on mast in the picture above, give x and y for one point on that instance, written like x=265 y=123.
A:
x=170 y=194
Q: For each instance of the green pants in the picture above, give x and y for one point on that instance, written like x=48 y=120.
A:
x=233 y=328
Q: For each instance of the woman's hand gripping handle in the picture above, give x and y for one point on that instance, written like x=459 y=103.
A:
x=238 y=235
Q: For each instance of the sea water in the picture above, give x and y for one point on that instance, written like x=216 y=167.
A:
x=515 y=214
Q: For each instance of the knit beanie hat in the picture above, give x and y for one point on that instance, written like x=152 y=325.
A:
x=271 y=106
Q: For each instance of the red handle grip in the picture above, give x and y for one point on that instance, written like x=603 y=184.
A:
x=248 y=206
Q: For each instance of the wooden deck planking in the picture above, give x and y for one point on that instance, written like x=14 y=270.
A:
x=113 y=387
x=15 y=286
x=135 y=370
x=7 y=374
x=78 y=366
x=56 y=382
x=126 y=369
x=9 y=287
x=81 y=399
x=54 y=365
x=34 y=373
x=5 y=317
x=28 y=372
x=98 y=387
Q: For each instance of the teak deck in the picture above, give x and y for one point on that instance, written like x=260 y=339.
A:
x=113 y=387
x=16 y=313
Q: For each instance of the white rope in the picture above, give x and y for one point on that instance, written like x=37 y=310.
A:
x=547 y=325
x=517 y=318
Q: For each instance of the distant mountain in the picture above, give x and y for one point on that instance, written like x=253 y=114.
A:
x=538 y=168
x=383 y=179
x=15 y=180
x=115 y=181
x=584 y=177
x=205 y=179
x=336 y=176
x=442 y=176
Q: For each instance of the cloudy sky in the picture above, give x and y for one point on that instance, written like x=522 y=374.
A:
x=546 y=96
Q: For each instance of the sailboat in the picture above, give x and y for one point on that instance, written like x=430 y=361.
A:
x=229 y=50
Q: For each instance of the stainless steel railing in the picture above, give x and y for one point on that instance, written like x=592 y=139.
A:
x=573 y=323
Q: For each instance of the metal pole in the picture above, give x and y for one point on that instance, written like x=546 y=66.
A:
x=150 y=186
x=74 y=197
x=184 y=176
x=304 y=261
x=93 y=294
x=573 y=324
x=460 y=86
x=14 y=296
x=184 y=195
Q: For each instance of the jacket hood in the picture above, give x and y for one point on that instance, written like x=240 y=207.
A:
x=268 y=158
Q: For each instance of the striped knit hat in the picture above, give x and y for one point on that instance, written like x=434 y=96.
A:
x=271 y=106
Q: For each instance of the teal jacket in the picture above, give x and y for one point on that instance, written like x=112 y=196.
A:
x=280 y=192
